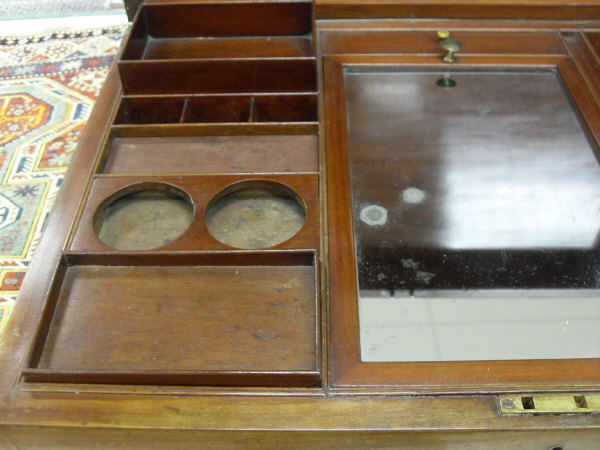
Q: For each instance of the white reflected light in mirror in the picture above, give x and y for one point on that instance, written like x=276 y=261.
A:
x=479 y=325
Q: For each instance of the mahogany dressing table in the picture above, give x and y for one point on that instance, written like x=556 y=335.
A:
x=330 y=224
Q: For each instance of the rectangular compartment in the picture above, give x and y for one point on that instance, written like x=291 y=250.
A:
x=204 y=319
x=150 y=110
x=216 y=47
x=285 y=108
x=226 y=47
x=233 y=154
x=256 y=108
x=218 y=109
x=136 y=110
x=260 y=75
x=248 y=29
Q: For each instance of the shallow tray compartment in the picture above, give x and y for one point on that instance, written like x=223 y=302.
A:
x=194 y=320
x=233 y=154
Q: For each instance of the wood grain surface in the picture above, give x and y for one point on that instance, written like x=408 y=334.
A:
x=212 y=155
x=183 y=318
x=265 y=47
x=67 y=438
x=452 y=9
x=200 y=190
x=360 y=405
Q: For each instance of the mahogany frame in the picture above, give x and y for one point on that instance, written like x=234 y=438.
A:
x=347 y=368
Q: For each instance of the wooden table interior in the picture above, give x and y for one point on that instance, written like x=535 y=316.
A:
x=254 y=170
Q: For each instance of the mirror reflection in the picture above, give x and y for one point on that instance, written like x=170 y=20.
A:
x=471 y=180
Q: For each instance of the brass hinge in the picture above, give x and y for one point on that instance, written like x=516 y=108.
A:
x=563 y=403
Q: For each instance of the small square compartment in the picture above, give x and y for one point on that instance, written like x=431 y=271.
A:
x=285 y=108
x=207 y=319
x=150 y=110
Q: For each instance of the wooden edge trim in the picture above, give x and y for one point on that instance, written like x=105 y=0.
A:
x=282 y=257
x=342 y=290
x=584 y=98
x=465 y=25
x=587 y=62
x=187 y=130
x=181 y=378
x=460 y=9
x=434 y=61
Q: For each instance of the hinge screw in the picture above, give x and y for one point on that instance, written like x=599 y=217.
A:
x=507 y=403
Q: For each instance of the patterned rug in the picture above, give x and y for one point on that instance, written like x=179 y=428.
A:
x=48 y=85
x=22 y=9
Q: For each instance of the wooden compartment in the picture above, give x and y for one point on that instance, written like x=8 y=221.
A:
x=285 y=108
x=218 y=30
x=228 y=47
x=149 y=110
x=219 y=76
x=128 y=153
x=203 y=319
x=137 y=110
x=216 y=47
x=200 y=191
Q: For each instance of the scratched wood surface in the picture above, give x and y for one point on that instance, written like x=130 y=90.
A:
x=183 y=318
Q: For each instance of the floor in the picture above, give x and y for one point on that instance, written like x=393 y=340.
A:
x=19 y=18
x=36 y=9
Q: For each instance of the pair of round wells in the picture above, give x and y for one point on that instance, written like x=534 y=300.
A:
x=250 y=214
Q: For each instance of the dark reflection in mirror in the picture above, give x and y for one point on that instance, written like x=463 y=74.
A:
x=492 y=183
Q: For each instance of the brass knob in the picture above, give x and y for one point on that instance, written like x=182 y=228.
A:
x=450 y=45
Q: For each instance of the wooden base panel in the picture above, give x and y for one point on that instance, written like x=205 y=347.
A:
x=179 y=325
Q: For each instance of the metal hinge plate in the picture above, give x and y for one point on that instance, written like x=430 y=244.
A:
x=563 y=403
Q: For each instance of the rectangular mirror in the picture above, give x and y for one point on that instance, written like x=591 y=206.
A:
x=475 y=194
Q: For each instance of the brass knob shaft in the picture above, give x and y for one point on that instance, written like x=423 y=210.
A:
x=450 y=45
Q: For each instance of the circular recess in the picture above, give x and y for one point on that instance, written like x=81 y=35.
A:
x=143 y=216
x=255 y=214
